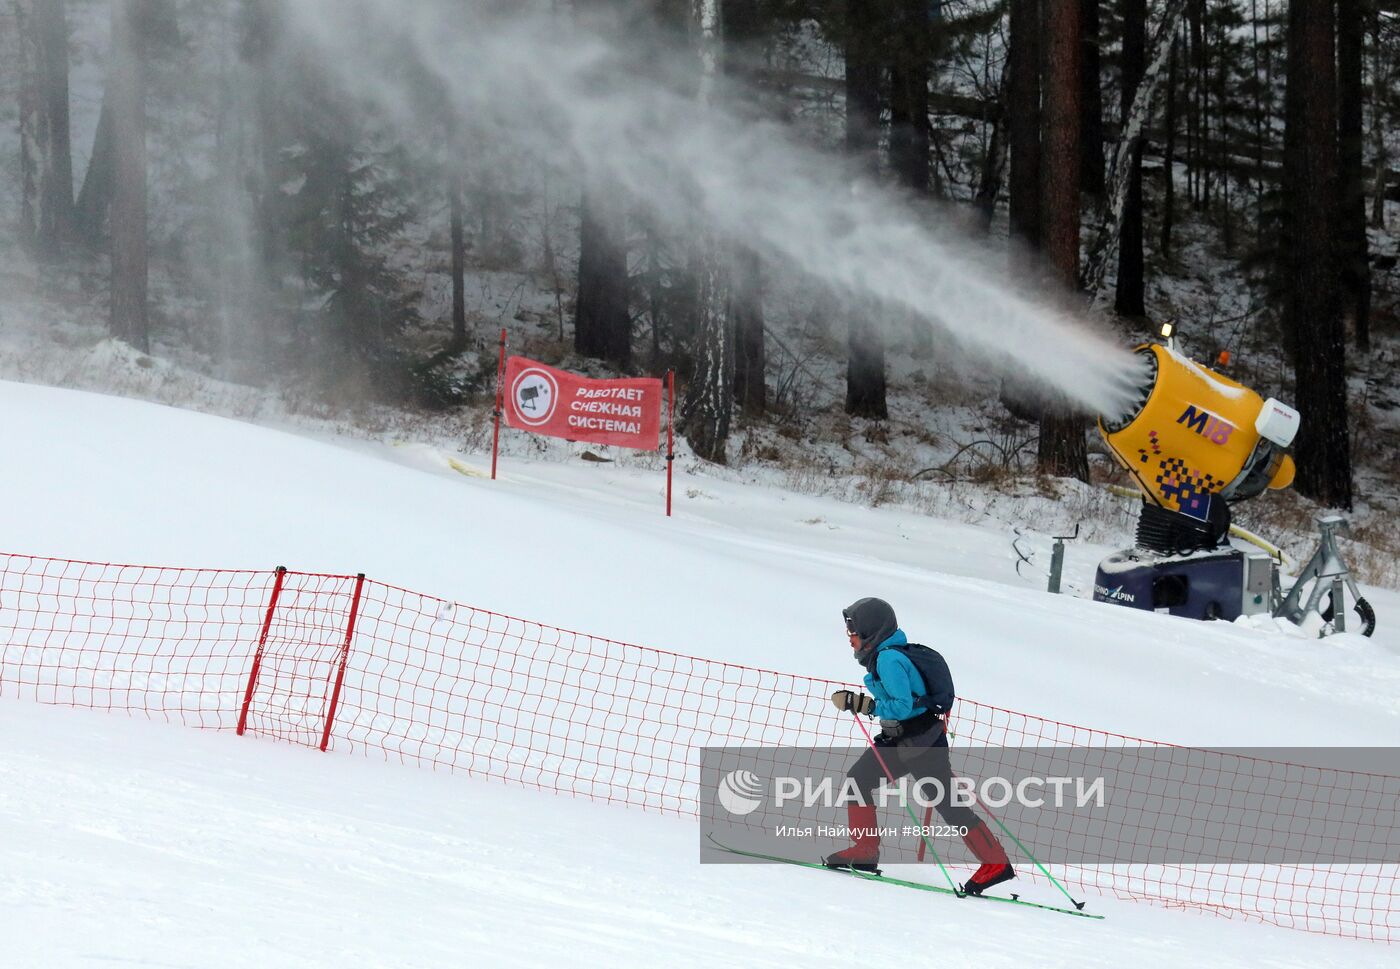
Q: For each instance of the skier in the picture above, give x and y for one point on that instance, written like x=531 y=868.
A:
x=911 y=705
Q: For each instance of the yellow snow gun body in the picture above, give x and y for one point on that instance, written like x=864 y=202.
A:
x=1195 y=433
x=1195 y=442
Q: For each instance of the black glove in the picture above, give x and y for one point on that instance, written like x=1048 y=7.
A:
x=844 y=700
x=880 y=740
x=892 y=729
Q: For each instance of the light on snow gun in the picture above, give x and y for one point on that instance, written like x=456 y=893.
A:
x=1194 y=441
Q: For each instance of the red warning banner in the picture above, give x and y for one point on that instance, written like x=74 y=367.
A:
x=624 y=413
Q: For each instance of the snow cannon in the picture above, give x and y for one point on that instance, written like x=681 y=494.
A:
x=1196 y=442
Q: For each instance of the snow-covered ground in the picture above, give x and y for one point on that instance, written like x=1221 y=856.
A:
x=751 y=574
x=131 y=843
x=149 y=844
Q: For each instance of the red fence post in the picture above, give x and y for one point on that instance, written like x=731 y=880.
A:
x=344 y=658
x=262 y=642
x=500 y=394
x=670 y=434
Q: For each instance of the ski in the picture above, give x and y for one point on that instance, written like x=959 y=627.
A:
x=921 y=886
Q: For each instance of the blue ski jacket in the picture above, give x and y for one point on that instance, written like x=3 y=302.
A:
x=899 y=683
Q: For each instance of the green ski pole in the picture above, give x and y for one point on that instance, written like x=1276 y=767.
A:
x=1027 y=852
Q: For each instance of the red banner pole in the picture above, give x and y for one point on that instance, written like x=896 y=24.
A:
x=500 y=371
x=344 y=658
x=670 y=434
x=262 y=642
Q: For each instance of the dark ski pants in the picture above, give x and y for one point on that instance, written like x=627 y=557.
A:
x=922 y=755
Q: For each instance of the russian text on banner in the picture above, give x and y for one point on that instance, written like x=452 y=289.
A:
x=546 y=400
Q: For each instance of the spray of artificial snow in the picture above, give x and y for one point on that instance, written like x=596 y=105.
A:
x=520 y=79
x=548 y=86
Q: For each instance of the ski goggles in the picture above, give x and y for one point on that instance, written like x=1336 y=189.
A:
x=850 y=624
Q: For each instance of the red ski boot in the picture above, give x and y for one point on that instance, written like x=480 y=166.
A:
x=996 y=867
x=864 y=853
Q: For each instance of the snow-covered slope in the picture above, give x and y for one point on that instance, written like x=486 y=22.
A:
x=133 y=843
x=155 y=845
x=744 y=573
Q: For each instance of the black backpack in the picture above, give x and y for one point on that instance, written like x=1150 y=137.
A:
x=933 y=669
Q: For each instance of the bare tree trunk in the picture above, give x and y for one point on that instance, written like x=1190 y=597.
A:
x=865 y=358
x=745 y=39
x=1169 y=151
x=95 y=198
x=260 y=80
x=602 y=317
x=1260 y=117
x=46 y=155
x=1129 y=300
x=1091 y=179
x=1268 y=110
x=1312 y=313
x=1062 y=450
x=1378 y=146
x=909 y=123
x=1195 y=163
x=862 y=85
x=1220 y=155
x=1023 y=128
x=1110 y=226
x=1022 y=81
x=459 y=258
x=750 y=359
x=865 y=371
x=1203 y=81
x=602 y=323
x=709 y=403
x=1352 y=245
x=127 y=88
x=56 y=227
x=33 y=143
x=993 y=172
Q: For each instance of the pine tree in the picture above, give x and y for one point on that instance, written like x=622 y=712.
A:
x=351 y=205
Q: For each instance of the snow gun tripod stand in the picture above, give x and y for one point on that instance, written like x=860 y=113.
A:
x=1328 y=574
